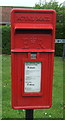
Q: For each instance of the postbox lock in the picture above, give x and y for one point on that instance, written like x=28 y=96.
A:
x=33 y=55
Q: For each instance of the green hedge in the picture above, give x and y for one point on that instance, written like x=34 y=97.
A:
x=58 y=49
x=60 y=31
x=6 y=42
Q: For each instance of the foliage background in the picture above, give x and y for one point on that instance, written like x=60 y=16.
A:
x=6 y=40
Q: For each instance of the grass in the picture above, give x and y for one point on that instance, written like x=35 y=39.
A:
x=56 y=111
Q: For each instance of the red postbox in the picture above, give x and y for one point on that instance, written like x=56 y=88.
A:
x=32 y=52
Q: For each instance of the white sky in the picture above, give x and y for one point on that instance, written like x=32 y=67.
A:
x=29 y=3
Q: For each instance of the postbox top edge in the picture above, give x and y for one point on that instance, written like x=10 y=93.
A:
x=32 y=10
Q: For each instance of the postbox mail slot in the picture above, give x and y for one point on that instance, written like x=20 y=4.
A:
x=33 y=38
x=34 y=26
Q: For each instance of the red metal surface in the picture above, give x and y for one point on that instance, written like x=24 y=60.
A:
x=33 y=26
x=32 y=30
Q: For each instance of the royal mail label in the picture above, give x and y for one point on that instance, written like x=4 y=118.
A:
x=30 y=18
x=32 y=77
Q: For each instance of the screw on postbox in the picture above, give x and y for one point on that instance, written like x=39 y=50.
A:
x=32 y=56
